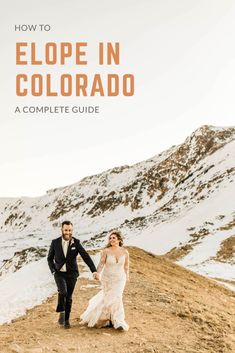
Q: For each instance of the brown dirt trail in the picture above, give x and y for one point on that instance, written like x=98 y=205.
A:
x=169 y=310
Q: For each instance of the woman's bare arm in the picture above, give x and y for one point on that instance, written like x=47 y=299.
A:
x=102 y=261
x=126 y=265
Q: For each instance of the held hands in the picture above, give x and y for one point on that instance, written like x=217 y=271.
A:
x=96 y=276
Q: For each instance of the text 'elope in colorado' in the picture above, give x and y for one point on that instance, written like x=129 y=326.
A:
x=67 y=84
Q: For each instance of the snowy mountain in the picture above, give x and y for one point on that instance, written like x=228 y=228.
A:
x=178 y=203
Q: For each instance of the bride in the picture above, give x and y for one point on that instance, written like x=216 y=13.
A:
x=106 y=309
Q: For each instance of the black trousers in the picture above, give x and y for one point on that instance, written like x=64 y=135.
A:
x=65 y=284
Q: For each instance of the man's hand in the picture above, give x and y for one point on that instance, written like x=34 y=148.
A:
x=96 y=275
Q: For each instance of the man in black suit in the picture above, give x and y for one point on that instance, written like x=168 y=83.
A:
x=62 y=261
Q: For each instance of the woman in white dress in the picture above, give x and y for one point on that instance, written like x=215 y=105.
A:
x=106 y=309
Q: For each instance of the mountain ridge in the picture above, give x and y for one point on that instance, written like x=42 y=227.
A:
x=170 y=193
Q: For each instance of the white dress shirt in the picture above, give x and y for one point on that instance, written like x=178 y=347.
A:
x=65 y=245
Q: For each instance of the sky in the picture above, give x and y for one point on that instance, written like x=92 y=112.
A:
x=181 y=53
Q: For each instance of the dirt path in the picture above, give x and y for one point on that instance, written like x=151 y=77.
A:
x=169 y=309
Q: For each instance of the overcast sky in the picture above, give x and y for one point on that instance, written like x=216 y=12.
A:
x=182 y=54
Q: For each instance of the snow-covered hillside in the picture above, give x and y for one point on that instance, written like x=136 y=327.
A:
x=178 y=203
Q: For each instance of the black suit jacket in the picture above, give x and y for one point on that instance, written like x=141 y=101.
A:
x=56 y=258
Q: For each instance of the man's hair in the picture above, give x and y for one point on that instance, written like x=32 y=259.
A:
x=67 y=223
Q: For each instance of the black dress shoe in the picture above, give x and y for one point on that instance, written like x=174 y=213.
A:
x=67 y=324
x=110 y=324
x=61 y=320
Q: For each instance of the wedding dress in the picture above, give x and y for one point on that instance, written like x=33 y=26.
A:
x=107 y=305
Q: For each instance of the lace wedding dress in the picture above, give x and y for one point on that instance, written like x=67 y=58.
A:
x=107 y=304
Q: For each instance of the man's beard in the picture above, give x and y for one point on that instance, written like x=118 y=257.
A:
x=66 y=237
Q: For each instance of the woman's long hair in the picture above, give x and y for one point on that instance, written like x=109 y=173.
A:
x=118 y=235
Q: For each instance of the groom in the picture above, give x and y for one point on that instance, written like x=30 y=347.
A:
x=62 y=261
